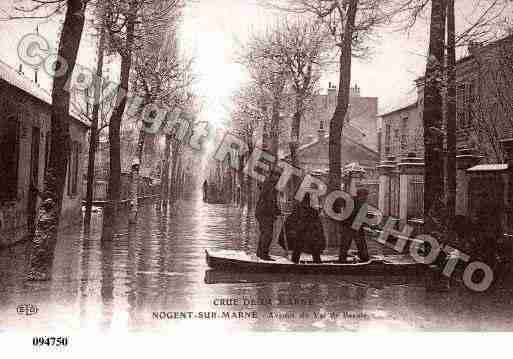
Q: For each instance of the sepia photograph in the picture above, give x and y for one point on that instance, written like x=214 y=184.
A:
x=177 y=168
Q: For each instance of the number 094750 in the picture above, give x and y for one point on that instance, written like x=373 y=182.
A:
x=50 y=341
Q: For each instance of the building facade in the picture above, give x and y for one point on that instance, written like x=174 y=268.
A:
x=360 y=124
x=24 y=149
x=484 y=120
x=484 y=95
x=401 y=132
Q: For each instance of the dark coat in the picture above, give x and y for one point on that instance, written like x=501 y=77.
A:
x=303 y=230
x=267 y=205
x=489 y=231
x=338 y=206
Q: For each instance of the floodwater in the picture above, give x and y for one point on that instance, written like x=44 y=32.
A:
x=150 y=277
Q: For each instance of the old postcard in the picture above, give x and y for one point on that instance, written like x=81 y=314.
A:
x=214 y=167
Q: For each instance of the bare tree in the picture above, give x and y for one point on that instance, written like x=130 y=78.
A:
x=45 y=236
x=433 y=120
x=93 y=135
x=248 y=112
x=451 y=118
x=493 y=106
x=440 y=103
x=120 y=19
x=301 y=46
x=179 y=124
x=350 y=23
x=129 y=25
x=160 y=77
x=249 y=115
x=270 y=76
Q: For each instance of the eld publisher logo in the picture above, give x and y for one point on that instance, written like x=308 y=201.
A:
x=27 y=309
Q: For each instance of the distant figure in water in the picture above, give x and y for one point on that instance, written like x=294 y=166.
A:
x=266 y=212
x=304 y=232
x=205 y=191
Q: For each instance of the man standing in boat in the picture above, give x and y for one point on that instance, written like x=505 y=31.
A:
x=348 y=234
x=266 y=213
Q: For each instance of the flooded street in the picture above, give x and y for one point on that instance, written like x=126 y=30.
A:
x=143 y=278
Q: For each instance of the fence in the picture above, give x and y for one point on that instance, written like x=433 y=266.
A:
x=416 y=197
x=394 y=196
x=373 y=188
x=147 y=187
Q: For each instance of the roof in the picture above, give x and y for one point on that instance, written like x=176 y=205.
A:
x=14 y=78
x=301 y=148
x=350 y=167
x=353 y=167
x=284 y=150
x=397 y=109
x=494 y=167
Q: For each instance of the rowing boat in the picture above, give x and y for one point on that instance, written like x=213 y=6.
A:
x=240 y=261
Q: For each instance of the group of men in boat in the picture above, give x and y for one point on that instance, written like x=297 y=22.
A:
x=303 y=231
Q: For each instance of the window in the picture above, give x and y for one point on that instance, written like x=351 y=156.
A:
x=460 y=105
x=9 y=148
x=387 y=139
x=397 y=141
x=471 y=91
x=404 y=133
x=404 y=142
x=466 y=94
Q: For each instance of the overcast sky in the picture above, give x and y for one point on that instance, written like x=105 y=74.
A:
x=212 y=30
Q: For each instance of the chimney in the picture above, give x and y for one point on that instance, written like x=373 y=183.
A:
x=20 y=70
x=354 y=91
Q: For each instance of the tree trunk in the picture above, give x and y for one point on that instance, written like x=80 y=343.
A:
x=433 y=115
x=240 y=174
x=114 y=186
x=294 y=140
x=451 y=119
x=164 y=183
x=93 y=141
x=275 y=128
x=248 y=183
x=179 y=179
x=174 y=158
x=44 y=238
x=175 y=183
x=135 y=176
x=337 y=121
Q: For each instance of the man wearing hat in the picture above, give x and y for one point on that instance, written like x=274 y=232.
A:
x=266 y=213
x=348 y=234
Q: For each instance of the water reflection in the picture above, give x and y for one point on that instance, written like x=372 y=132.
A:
x=159 y=266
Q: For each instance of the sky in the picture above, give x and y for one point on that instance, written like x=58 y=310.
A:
x=212 y=31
